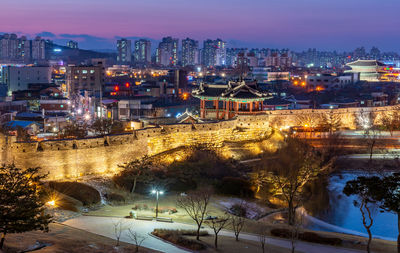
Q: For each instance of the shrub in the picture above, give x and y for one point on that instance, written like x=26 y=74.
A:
x=115 y=197
x=307 y=236
x=235 y=186
x=176 y=237
x=82 y=192
x=314 y=237
x=238 y=210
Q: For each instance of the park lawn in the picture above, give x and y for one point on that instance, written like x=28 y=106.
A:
x=229 y=244
x=215 y=209
x=65 y=239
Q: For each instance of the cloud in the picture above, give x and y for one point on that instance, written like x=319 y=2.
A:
x=46 y=34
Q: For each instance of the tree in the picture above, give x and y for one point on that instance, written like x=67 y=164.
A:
x=195 y=204
x=22 y=134
x=75 y=130
x=119 y=226
x=391 y=121
x=332 y=121
x=387 y=192
x=291 y=168
x=102 y=126
x=371 y=137
x=117 y=128
x=364 y=188
x=262 y=235
x=238 y=219
x=137 y=169
x=217 y=225
x=295 y=232
x=21 y=201
x=136 y=238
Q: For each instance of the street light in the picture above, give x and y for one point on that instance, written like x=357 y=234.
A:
x=157 y=192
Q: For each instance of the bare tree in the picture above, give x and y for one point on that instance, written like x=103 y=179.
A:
x=391 y=121
x=295 y=232
x=364 y=188
x=137 y=169
x=136 y=238
x=238 y=219
x=332 y=121
x=217 y=225
x=119 y=226
x=291 y=168
x=195 y=204
x=371 y=137
x=262 y=235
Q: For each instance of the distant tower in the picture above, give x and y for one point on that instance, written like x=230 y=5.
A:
x=124 y=51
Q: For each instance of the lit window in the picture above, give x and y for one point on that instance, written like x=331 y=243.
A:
x=84 y=71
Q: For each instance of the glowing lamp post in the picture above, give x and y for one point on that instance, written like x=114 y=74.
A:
x=157 y=193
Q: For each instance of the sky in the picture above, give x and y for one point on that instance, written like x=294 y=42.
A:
x=295 y=24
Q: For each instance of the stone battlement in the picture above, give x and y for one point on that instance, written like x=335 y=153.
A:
x=77 y=157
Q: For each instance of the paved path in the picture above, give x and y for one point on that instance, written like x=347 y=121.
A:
x=104 y=226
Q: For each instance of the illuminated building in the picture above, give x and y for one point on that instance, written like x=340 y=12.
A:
x=142 y=51
x=230 y=100
x=85 y=78
x=214 y=53
x=72 y=44
x=19 y=78
x=14 y=48
x=370 y=70
x=167 y=52
x=38 y=49
x=331 y=82
x=190 y=52
x=124 y=51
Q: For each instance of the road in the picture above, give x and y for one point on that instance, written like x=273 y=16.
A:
x=104 y=226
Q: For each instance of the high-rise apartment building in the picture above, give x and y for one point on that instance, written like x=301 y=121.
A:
x=167 y=52
x=190 y=52
x=142 y=51
x=214 y=53
x=38 y=49
x=24 y=49
x=124 y=48
x=9 y=47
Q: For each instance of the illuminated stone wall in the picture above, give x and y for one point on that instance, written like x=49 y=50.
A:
x=74 y=158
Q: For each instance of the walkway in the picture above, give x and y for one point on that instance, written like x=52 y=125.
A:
x=104 y=226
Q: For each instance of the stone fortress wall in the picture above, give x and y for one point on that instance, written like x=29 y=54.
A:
x=74 y=158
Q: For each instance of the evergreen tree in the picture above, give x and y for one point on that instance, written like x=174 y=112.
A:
x=21 y=201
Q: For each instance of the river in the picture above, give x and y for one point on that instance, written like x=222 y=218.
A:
x=340 y=214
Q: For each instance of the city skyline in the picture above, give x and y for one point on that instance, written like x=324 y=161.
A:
x=337 y=25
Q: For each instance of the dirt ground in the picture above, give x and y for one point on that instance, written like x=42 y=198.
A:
x=64 y=239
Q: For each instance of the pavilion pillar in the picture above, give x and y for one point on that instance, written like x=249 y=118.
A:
x=227 y=109
x=251 y=106
x=236 y=107
x=202 y=112
x=217 y=108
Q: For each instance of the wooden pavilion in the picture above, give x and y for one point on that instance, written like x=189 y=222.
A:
x=225 y=101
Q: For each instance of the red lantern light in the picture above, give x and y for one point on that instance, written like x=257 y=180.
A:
x=116 y=88
x=127 y=85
